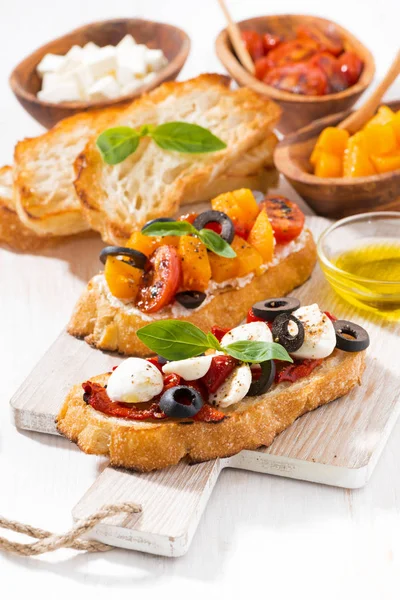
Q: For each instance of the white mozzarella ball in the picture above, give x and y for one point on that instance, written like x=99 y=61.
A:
x=319 y=333
x=190 y=368
x=258 y=331
x=234 y=388
x=134 y=380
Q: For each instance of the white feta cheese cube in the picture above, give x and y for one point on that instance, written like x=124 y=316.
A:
x=103 y=62
x=104 y=88
x=127 y=42
x=90 y=47
x=84 y=78
x=131 y=87
x=65 y=91
x=50 y=63
x=131 y=63
x=155 y=59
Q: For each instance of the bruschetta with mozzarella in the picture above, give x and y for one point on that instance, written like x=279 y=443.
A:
x=213 y=395
x=204 y=268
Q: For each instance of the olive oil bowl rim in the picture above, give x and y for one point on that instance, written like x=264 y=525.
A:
x=324 y=260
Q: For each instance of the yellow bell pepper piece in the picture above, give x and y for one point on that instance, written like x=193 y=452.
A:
x=385 y=164
x=196 y=269
x=384 y=115
x=356 y=161
x=122 y=279
x=329 y=165
x=380 y=139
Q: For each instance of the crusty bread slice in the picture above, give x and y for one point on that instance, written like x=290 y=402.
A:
x=13 y=232
x=107 y=323
x=45 y=196
x=153 y=182
x=254 y=422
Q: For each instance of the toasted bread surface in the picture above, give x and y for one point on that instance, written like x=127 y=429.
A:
x=45 y=196
x=153 y=182
x=254 y=422
x=108 y=324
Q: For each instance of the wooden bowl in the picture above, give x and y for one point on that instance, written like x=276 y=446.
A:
x=25 y=82
x=334 y=197
x=298 y=110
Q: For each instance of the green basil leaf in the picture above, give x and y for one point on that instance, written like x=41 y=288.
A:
x=174 y=340
x=169 y=228
x=186 y=137
x=257 y=352
x=213 y=342
x=216 y=244
x=117 y=143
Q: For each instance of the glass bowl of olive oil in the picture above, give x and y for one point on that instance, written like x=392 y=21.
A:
x=360 y=258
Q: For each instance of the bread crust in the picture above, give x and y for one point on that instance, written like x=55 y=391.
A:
x=255 y=422
x=110 y=327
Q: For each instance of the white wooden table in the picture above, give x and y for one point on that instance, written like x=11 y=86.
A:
x=279 y=536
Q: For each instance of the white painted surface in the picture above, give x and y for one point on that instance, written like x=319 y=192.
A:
x=260 y=534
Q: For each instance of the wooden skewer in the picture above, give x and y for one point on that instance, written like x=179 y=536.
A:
x=236 y=39
x=356 y=120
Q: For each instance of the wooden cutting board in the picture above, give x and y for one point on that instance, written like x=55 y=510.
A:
x=338 y=444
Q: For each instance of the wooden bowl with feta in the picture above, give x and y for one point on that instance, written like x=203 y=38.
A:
x=98 y=65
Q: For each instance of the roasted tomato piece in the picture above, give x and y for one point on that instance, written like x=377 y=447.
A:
x=301 y=78
x=295 y=371
x=209 y=414
x=331 y=67
x=161 y=281
x=254 y=44
x=286 y=218
x=96 y=396
x=292 y=52
x=154 y=361
x=351 y=67
x=327 y=42
x=330 y=316
x=219 y=332
x=221 y=367
x=262 y=66
x=270 y=41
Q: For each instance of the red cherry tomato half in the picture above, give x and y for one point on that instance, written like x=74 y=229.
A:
x=327 y=43
x=254 y=44
x=161 y=282
x=221 y=367
x=219 y=332
x=351 y=67
x=331 y=67
x=262 y=66
x=214 y=226
x=292 y=52
x=301 y=78
x=286 y=218
x=270 y=41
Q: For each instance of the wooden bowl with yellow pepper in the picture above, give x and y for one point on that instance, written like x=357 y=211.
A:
x=344 y=175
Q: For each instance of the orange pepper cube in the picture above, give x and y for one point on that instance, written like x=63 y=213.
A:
x=239 y=205
x=384 y=115
x=222 y=268
x=122 y=279
x=142 y=243
x=248 y=259
x=332 y=140
x=329 y=165
x=385 y=164
x=196 y=269
x=396 y=126
x=356 y=161
x=261 y=237
x=380 y=139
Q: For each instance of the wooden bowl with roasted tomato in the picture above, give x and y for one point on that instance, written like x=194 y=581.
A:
x=311 y=66
x=366 y=183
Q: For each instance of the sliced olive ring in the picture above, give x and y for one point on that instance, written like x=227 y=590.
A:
x=181 y=401
x=136 y=259
x=271 y=308
x=216 y=216
x=190 y=299
x=350 y=337
x=159 y=220
x=261 y=385
x=281 y=334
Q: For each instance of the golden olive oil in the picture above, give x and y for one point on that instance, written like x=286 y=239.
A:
x=370 y=276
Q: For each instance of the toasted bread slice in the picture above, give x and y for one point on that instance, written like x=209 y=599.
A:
x=153 y=182
x=107 y=323
x=45 y=196
x=254 y=422
x=13 y=232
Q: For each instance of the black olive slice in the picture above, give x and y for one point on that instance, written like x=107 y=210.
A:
x=271 y=308
x=190 y=299
x=216 y=216
x=350 y=337
x=181 y=401
x=159 y=220
x=280 y=332
x=136 y=259
x=261 y=385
